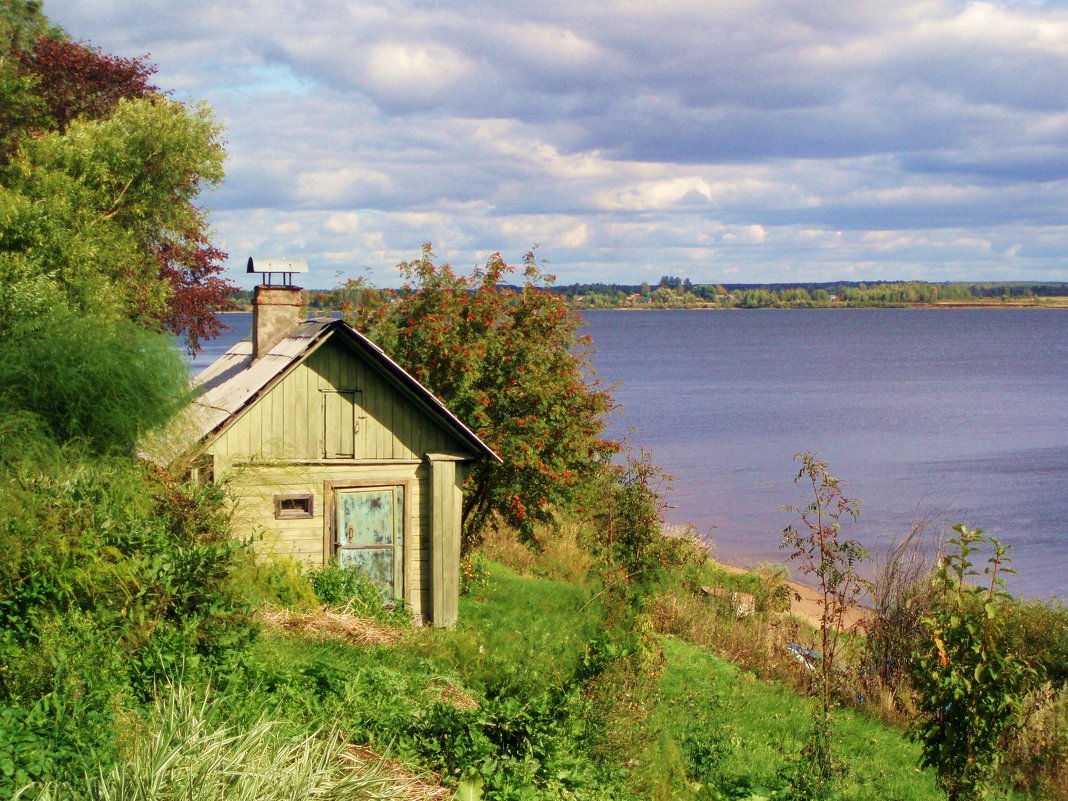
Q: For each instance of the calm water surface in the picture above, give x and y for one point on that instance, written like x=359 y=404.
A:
x=961 y=411
x=958 y=411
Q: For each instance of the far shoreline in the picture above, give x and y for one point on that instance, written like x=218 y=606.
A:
x=1060 y=304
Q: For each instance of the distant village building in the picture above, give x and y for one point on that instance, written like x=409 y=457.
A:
x=333 y=451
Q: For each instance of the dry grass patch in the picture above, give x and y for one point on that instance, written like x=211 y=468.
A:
x=449 y=693
x=558 y=553
x=408 y=785
x=756 y=643
x=332 y=624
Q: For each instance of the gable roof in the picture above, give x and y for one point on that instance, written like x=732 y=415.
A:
x=234 y=381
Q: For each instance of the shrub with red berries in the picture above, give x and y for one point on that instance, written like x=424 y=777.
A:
x=510 y=363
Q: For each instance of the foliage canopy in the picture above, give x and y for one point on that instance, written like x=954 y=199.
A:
x=510 y=363
x=99 y=177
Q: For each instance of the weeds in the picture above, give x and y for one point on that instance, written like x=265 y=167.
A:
x=900 y=598
x=833 y=562
x=351 y=589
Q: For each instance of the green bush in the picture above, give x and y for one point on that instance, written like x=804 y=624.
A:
x=98 y=380
x=517 y=745
x=969 y=692
x=1038 y=753
x=1037 y=632
x=275 y=582
x=115 y=578
x=353 y=589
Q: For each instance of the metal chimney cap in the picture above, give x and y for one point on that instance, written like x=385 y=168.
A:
x=282 y=265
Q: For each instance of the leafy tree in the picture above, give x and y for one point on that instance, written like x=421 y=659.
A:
x=94 y=217
x=22 y=23
x=99 y=176
x=817 y=545
x=75 y=80
x=969 y=693
x=509 y=363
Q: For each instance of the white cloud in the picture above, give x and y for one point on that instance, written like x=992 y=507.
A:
x=413 y=74
x=747 y=235
x=757 y=139
x=340 y=184
x=343 y=222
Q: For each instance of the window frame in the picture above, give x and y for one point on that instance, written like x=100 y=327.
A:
x=282 y=499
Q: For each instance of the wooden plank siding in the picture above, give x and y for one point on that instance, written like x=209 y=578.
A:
x=275 y=446
x=288 y=422
x=446 y=480
x=308 y=540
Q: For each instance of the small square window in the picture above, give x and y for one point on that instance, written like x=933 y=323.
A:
x=294 y=505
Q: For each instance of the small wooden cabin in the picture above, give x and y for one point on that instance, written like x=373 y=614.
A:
x=332 y=450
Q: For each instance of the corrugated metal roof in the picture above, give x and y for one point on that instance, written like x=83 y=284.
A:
x=234 y=380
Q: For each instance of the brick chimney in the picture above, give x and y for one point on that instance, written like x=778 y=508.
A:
x=276 y=304
x=276 y=310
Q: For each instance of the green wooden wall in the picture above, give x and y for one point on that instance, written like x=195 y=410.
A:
x=446 y=482
x=333 y=421
x=292 y=420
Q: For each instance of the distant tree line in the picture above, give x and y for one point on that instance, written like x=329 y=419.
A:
x=672 y=292
x=675 y=292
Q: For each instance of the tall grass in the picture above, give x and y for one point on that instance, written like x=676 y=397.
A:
x=185 y=753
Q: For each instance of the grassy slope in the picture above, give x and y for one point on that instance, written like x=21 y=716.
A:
x=759 y=725
x=762 y=725
x=532 y=625
x=532 y=632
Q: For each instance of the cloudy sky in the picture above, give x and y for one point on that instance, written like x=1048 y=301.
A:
x=723 y=140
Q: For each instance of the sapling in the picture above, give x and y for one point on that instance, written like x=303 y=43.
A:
x=969 y=693
x=818 y=548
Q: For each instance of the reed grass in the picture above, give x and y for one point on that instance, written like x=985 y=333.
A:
x=186 y=752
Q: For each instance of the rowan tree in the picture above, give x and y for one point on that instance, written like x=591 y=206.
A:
x=510 y=363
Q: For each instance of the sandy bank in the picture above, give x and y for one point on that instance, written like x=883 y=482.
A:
x=806 y=602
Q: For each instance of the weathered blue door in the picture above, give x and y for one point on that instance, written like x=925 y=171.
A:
x=370 y=527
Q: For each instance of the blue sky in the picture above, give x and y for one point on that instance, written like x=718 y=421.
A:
x=728 y=141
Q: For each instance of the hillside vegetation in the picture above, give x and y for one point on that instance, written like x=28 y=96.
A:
x=144 y=649
x=147 y=654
